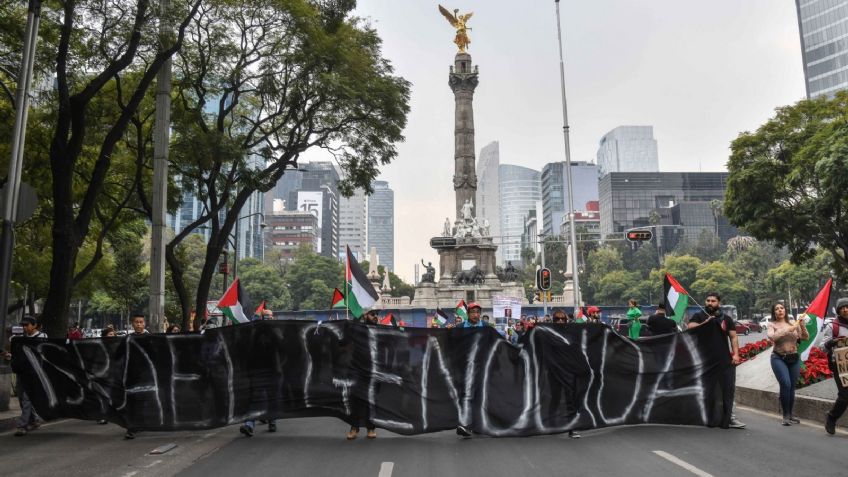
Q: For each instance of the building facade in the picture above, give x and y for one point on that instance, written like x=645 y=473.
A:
x=381 y=223
x=287 y=231
x=823 y=27
x=555 y=191
x=628 y=149
x=314 y=188
x=353 y=225
x=488 y=205
x=520 y=188
x=677 y=200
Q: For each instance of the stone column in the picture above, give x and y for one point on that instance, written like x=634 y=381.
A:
x=463 y=80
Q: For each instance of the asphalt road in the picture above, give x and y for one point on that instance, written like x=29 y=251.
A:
x=317 y=447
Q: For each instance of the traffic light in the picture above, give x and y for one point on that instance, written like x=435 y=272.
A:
x=543 y=279
x=639 y=235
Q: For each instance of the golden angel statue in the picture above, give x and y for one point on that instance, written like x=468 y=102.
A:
x=458 y=21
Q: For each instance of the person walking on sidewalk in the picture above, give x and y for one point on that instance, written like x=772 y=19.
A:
x=836 y=336
x=712 y=315
x=785 y=361
x=28 y=420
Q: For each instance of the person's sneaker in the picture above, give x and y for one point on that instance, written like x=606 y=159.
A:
x=102 y=422
x=794 y=420
x=463 y=432
x=736 y=424
x=574 y=434
x=352 y=433
x=21 y=431
x=372 y=434
x=246 y=430
x=129 y=435
x=786 y=422
x=272 y=427
x=829 y=424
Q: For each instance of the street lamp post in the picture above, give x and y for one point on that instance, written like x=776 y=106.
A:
x=236 y=244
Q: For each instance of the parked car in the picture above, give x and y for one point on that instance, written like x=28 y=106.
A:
x=752 y=326
x=742 y=328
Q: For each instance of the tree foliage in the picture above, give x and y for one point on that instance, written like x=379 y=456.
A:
x=789 y=180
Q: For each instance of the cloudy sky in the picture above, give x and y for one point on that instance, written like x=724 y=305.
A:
x=699 y=72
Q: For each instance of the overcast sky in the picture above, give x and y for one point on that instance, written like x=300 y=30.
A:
x=699 y=72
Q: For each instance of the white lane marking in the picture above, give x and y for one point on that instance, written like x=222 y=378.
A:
x=386 y=469
x=155 y=462
x=130 y=474
x=682 y=463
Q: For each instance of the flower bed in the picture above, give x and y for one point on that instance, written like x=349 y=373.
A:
x=814 y=369
x=750 y=350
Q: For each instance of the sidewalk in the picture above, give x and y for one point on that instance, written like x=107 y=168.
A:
x=8 y=418
x=757 y=387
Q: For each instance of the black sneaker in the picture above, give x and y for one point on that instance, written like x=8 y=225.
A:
x=463 y=432
x=829 y=424
x=21 y=431
x=574 y=434
x=272 y=427
x=129 y=435
x=246 y=430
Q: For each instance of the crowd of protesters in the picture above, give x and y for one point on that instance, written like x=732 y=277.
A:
x=783 y=331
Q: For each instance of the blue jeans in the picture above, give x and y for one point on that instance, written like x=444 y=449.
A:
x=787 y=376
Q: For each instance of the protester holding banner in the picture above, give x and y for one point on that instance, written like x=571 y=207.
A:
x=712 y=315
x=660 y=324
x=836 y=336
x=28 y=420
x=785 y=361
x=263 y=341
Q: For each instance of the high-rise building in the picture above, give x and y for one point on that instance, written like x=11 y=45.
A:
x=823 y=26
x=381 y=223
x=684 y=202
x=520 y=188
x=532 y=230
x=628 y=149
x=314 y=188
x=555 y=191
x=488 y=205
x=288 y=230
x=353 y=225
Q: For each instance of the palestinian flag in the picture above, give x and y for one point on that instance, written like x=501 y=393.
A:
x=676 y=299
x=361 y=295
x=441 y=317
x=234 y=302
x=338 y=299
x=815 y=318
x=388 y=320
x=260 y=309
x=461 y=310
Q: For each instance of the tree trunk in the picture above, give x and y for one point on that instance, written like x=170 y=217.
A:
x=179 y=286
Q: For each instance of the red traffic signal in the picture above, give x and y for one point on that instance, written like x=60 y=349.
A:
x=543 y=278
x=639 y=235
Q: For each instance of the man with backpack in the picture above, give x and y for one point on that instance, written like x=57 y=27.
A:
x=836 y=336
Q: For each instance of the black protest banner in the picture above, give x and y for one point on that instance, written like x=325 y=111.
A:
x=560 y=377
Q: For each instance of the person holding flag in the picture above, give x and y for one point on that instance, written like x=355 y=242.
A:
x=712 y=315
x=836 y=336
x=785 y=362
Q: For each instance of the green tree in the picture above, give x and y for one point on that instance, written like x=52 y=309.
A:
x=127 y=283
x=718 y=277
x=261 y=85
x=264 y=282
x=707 y=246
x=788 y=180
x=615 y=287
x=683 y=267
x=644 y=259
x=310 y=280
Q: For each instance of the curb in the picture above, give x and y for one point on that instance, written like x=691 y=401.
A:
x=8 y=423
x=806 y=407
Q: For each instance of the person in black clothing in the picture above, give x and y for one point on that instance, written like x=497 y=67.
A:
x=712 y=315
x=836 y=336
x=659 y=324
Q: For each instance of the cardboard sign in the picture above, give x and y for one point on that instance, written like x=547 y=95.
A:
x=841 y=357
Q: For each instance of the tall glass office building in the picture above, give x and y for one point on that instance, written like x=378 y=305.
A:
x=628 y=149
x=381 y=223
x=520 y=188
x=555 y=191
x=823 y=25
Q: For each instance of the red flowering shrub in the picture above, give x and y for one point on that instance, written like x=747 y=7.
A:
x=752 y=349
x=814 y=369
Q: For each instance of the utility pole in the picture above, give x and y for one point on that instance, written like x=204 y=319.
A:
x=161 y=138
x=13 y=181
x=538 y=287
x=565 y=129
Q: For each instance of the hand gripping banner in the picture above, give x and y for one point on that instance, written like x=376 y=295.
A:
x=559 y=377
